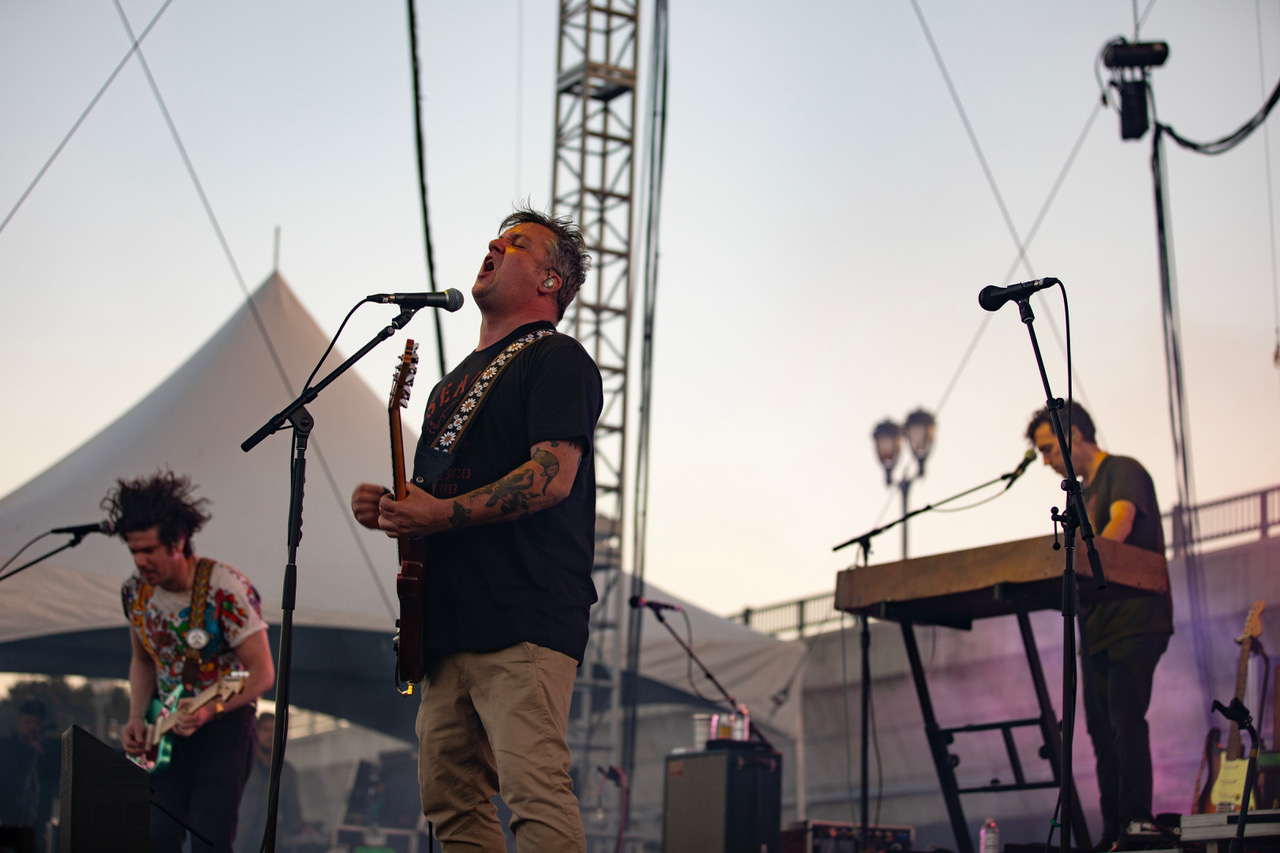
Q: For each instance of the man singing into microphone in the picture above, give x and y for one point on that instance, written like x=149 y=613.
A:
x=1120 y=641
x=511 y=527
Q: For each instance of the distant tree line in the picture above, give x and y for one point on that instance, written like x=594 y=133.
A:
x=100 y=708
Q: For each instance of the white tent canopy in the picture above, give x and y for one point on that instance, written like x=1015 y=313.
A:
x=63 y=615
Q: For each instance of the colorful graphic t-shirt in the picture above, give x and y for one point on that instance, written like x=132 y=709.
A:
x=161 y=620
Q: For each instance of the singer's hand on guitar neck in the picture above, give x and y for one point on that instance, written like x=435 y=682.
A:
x=417 y=515
x=538 y=484
x=364 y=503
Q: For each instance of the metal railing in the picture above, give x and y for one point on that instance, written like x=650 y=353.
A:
x=1234 y=516
x=1239 y=515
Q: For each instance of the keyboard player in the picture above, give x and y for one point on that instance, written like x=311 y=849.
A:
x=1120 y=641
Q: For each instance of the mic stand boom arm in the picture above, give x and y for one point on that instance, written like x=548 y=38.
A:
x=728 y=697
x=76 y=539
x=310 y=393
x=865 y=539
x=296 y=414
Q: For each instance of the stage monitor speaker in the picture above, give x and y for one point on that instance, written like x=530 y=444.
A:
x=725 y=800
x=18 y=839
x=105 y=798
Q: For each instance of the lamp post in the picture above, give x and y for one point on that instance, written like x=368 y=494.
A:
x=919 y=428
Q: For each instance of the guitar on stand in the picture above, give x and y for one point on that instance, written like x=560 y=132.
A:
x=412 y=552
x=1224 y=788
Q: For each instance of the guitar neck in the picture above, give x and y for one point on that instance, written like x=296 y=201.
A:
x=204 y=697
x=399 y=398
x=1235 y=749
x=397 y=456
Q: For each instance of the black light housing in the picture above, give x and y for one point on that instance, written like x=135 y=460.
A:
x=1133 y=109
x=1138 y=54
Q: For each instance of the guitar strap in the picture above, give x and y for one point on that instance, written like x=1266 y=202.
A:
x=431 y=462
x=197 y=634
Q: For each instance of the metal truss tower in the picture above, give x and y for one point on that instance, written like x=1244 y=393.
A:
x=593 y=181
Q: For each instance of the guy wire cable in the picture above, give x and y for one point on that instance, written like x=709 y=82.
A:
x=253 y=310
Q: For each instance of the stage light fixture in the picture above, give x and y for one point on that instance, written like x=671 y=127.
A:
x=1129 y=62
x=1133 y=109
x=1137 y=54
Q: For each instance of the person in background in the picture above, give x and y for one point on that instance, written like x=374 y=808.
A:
x=30 y=771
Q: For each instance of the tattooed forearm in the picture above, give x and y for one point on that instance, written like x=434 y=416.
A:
x=511 y=493
x=549 y=463
x=460 y=516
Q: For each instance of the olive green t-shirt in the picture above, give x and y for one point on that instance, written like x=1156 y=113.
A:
x=1121 y=478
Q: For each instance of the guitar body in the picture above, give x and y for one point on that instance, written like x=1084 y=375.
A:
x=1202 y=802
x=159 y=749
x=409 y=663
x=412 y=552
x=162 y=716
x=1223 y=790
x=1228 y=789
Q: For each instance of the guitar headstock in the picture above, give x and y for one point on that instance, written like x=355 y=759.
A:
x=404 y=374
x=1253 y=624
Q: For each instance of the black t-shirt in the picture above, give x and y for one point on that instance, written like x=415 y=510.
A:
x=1121 y=478
x=494 y=585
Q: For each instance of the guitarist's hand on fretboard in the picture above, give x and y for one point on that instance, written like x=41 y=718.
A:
x=417 y=514
x=189 y=721
x=364 y=504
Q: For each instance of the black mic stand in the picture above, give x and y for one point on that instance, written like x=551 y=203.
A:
x=1074 y=518
x=728 y=697
x=76 y=539
x=296 y=414
x=864 y=546
x=1237 y=713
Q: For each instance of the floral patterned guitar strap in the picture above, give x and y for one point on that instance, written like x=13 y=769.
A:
x=430 y=462
x=197 y=636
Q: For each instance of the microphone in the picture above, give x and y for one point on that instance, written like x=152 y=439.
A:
x=82 y=529
x=655 y=606
x=450 y=300
x=1020 y=470
x=992 y=298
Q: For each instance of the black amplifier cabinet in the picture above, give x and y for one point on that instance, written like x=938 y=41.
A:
x=725 y=800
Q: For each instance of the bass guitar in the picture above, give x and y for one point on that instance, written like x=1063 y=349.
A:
x=1224 y=789
x=412 y=551
x=161 y=718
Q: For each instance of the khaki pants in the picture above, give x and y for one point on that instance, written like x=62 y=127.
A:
x=495 y=722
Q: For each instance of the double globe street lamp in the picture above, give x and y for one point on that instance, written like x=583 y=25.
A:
x=919 y=428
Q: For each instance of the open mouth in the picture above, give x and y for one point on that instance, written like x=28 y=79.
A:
x=488 y=265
